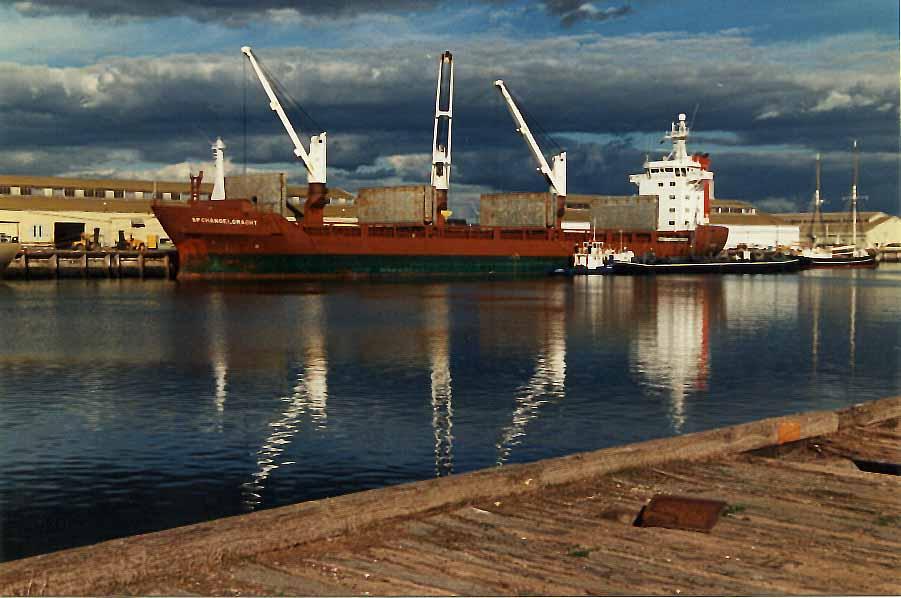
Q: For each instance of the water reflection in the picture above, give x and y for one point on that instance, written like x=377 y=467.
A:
x=671 y=350
x=218 y=354
x=438 y=324
x=548 y=381
x=309 y=397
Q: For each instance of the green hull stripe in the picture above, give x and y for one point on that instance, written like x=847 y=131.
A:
x=372 y=264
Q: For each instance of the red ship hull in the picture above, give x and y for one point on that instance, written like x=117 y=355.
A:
x=231 y=239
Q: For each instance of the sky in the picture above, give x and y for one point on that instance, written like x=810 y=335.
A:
x=140 y=89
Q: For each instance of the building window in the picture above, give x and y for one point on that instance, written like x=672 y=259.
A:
x=672 y=197
x=672 y=223
x=660 y=184
x=167 y=195
x=686 y=222
x=672 y=183
x=69 y=191
x=120 y=193
x=108 y=194
x=4 y=190
x=37 y=231
x=672 y=210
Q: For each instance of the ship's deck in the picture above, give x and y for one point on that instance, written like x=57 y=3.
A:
x=803 y=516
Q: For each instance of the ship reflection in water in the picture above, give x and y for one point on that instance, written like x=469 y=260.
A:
x=670 y=352
x=215 y=400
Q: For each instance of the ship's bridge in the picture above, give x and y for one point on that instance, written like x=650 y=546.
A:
x=679 y=181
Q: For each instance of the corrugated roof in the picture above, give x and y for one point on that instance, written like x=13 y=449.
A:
x=44 y=182
x=730 y=203
x=747 y=219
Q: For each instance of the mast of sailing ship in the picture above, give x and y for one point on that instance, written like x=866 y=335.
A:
x=854 y=198
x=817 y=202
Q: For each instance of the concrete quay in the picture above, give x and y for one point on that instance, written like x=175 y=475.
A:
x=812 y=505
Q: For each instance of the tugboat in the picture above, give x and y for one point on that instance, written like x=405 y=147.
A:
x=837 y=256
x=592 y=258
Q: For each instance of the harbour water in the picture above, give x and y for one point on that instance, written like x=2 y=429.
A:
x=128 y=406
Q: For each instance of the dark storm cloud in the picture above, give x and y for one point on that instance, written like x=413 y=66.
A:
x=223 y=11
x=571 y=12
x=377 y=103
x=237 y=13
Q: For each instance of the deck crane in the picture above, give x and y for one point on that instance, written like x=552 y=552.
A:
x=555 y=175
x=314 y=160
x=441 y=139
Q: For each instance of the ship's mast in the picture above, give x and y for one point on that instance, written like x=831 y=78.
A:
x=555 y=175
x=679 y=135
x=219 y=177
x=817 y=203
x=854 y=197
x=441 y=139
x=314 y=160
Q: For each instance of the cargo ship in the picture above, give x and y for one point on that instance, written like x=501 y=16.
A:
x=239 y=239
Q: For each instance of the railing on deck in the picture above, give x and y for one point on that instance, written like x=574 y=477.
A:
x=406 y=231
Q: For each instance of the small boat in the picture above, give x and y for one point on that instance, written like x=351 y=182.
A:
x=9 y=248
x=844 y=256
x=743 y=265
x=592 y=258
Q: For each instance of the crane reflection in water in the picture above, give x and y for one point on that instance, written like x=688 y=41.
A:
x=548 y=382
x=308 y=398
x=437 y=313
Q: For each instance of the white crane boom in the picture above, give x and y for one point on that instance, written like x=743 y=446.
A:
x=314 y=160
x=556 y=174
x=444 y=108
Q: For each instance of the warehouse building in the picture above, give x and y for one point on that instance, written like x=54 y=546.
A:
x=751 y=227
x=874 y=229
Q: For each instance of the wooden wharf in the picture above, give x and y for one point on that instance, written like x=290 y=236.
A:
x=101 y=263
x=812 y=506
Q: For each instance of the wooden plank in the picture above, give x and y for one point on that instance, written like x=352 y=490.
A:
x=871 y=412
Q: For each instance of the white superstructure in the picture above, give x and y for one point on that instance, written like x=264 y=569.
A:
x=680 y=182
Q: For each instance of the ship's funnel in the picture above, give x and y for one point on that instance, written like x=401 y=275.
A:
x=219 y=180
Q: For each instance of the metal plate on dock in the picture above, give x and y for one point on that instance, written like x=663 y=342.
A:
x=681 y=512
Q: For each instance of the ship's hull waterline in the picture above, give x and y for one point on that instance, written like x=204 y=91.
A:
x=867 y=261
x=230 y=239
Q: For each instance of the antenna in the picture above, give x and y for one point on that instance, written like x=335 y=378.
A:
x=694 y=113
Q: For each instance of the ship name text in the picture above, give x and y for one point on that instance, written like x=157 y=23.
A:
x=229 y=221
